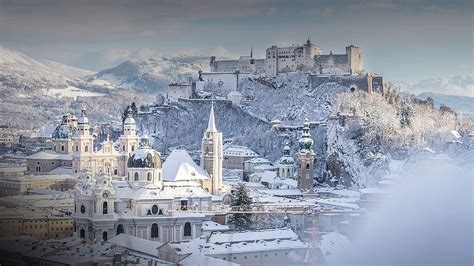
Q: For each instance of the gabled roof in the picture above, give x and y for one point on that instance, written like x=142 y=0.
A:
x=180 y=166
x=50 y=155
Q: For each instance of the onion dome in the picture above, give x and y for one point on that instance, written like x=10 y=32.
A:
x=306 y=142
x=82 y=120
x=66 y=130
x=286 y=159
x=129 y=120
x=145 y=156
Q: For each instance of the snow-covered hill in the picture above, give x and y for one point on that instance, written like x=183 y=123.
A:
x=34 y=92
x=454 y=85
x=153 y=74
x=19 y=71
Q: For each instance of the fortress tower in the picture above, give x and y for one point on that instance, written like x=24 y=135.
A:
x=212 y=154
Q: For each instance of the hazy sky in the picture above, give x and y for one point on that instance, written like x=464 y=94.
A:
x=403 y=40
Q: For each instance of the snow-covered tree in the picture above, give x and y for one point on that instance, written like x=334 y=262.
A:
x=241 y=202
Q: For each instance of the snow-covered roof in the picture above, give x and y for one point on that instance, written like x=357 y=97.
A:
x=66 y=170
x=258 y=160
x=456 y=134
x=268 y=177
x=180 y=166
x=334 y=245
x=50 y=155
x=282 y=192
x=136 y=244
x=251 y=241
x=264 y=167
x=243 y=151
x=213 y=226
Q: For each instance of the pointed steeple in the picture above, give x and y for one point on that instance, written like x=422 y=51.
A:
x=211 y=126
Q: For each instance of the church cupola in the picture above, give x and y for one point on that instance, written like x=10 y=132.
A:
x=286 y=164
x=144 y=165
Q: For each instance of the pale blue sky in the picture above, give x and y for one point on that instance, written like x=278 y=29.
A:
x=403 y=40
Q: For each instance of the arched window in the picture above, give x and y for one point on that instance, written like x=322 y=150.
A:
x=86 y=149
x=104 y=236
x=115 y=172
x=187 y=229
x=148 y=177
x=133 y=147
x=154 y=209
x=83 y=209
x=120 y=229
x=307 y=166
x=104 y=207
x=154 y=230
x=136 y=176
x=123 y=148
x=82 y=233
x=62 y=147
x=77 y=148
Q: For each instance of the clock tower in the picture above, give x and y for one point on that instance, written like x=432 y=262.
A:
x=306 y=159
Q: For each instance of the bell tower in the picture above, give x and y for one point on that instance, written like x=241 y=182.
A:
x=212 y=154
x=306 y=159
x=83 y=145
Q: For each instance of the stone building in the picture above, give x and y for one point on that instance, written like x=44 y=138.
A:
x=152 y=199
x=307 y=57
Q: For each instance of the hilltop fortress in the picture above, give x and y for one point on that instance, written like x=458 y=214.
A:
x=282 y=59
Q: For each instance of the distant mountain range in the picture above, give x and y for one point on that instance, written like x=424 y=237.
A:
x=454 y=85
x=152 y=74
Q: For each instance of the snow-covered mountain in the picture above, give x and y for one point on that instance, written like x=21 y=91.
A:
x=153 y=74
x=454 y=85
x=34 y=92
x=19 y=71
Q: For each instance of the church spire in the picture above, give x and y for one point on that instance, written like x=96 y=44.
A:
x=211 y=126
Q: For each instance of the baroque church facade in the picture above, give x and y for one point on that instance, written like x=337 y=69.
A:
x=131 y=191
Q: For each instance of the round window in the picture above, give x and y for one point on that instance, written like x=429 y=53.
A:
x=154 y=209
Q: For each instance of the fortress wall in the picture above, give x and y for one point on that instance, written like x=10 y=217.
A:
x=359 y=82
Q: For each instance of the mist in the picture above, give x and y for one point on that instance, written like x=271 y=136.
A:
x=425 y=220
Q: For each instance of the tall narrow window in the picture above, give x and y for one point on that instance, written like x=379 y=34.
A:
x=82 y=233
x=120 y=229
x=149 y=177
x=104 y=236
x=154 y=230
x=104 y=207
x=136 y=176
x=187 y=229
x=86 y=149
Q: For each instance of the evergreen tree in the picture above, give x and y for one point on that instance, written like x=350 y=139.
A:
x=241 y=202
x=134 y=109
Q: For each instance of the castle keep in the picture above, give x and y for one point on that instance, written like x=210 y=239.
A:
x=283 y=59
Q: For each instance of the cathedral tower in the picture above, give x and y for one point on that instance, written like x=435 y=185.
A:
x=83 y=145
x=306 y=158
x=212 y=154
